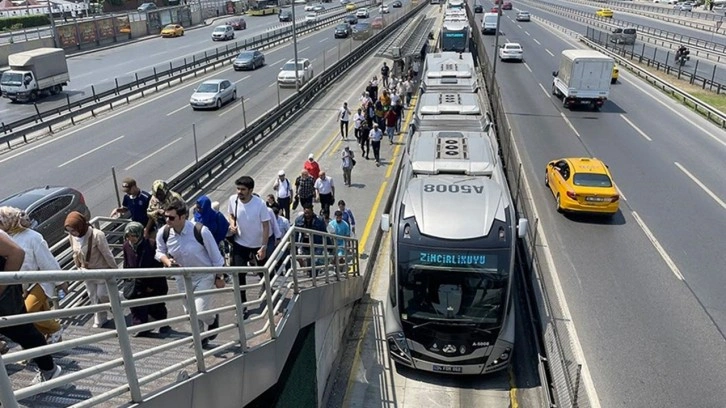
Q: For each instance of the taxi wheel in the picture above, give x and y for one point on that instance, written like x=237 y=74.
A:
x=547 y=181
x=559 y=207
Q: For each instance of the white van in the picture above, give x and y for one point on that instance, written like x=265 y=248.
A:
x=489 y=23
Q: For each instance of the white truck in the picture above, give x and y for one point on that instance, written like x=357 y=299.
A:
x=489 y=23
x=34 y=73
x=583 y=78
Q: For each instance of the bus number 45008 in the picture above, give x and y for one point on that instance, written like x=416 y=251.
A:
x=453 y=188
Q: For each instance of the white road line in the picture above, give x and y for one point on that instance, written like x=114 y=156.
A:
x=303 y=49
x=91 y=151
x=240 y=80
x=570 y=125
x=277 y=62
x=549 y=52
x=535 y=40
x=272 y=84
x=152 y=154
x=699 y=127
x=700 y=184
x=637 y=129
x=529 y=69
x=176 y=110
x=234 y=104
x=324 y=39
x=653 y=240
x=520 y=27
x=526 y=32
x=545 y=91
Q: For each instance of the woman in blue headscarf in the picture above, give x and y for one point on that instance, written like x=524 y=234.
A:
x=211 y=218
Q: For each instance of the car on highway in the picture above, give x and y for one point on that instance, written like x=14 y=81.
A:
x=511 y=51
x=507 y=5
x=343 y=30
x=213 y=93
x=478 y=8
x=604 y=12
x=223 y=32
x=172 y=30
x=384 y=9
x=685 y=7
x=615 y=74
x=146 y=7
x=378 y=23
x=318 y=8
x=248 y=59
x=287 y=72
x=582 y=184
x=362 y=13
x=47 y=208
x=309 y=7
x=362 y=31
x=396 y=4
x=351 y=19
x=285 y=15
x=620 y=35
x=494 y=10
x=523 y=16
x=351 y=6
x=311 y=17
x=238 y=23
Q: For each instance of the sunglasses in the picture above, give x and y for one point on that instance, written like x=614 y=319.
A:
x=170 y=217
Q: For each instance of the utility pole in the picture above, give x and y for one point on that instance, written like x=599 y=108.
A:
x=496 y=43
x=52 y=24
x=294 y=47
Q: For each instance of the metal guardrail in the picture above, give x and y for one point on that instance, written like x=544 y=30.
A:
x=138 y=86
x=654 y=10
x=699 y=106
x=292 y=268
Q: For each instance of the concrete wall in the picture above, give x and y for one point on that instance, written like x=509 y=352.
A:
x=329 y=332
x=7 y=49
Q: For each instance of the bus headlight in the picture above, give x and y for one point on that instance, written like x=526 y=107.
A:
x=502 y=357
x=397 y=346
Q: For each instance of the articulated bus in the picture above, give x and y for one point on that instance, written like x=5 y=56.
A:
x=447 y=71
x=455 y=36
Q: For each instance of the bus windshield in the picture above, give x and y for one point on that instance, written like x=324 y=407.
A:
x=454 y=40
x=455 y=286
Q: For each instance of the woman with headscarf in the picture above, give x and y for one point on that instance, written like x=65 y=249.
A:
x=91 y=251
x=37 y=258
x=211 y=218
x=139 y=253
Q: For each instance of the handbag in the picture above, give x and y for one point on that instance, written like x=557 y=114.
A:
x=131 y=288
x=352 y=161
x=295 y=202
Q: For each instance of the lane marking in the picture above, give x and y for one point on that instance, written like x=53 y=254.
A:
x=670 y=108
x=703 y=186
x=513 y=402
x=658 y=247
x=570 y=124
x=549 y=52
x=176 y=110
x=324 y=39
x=538 y=43
x=301 y=50
x=231 y=106
x=545 y=91
x=240 y=80
x=151 y=154
x=91 y=151
x=277 y=62
x=528 y=68
x=637 y=129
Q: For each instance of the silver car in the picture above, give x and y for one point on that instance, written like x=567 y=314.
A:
x=213 y=94
x=223 y=32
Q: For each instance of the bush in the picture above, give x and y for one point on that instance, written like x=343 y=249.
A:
x=20 y=22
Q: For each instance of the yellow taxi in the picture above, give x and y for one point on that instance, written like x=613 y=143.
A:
x=615 y=75
x=350 y=6
x=604 y=12
x=172 y=30
x=582 y=184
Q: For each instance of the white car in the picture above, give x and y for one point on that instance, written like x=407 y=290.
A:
x=362 y=13
x=223 y=32
x=287 y=72
x=511 y=51
x=311 y=18
x=309 y=7
x=384 y=9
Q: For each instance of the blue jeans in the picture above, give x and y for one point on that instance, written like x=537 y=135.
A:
x=390 y=131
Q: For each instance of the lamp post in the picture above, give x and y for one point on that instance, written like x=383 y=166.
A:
x=496 y=42
x=294 y=47
x=52 y=24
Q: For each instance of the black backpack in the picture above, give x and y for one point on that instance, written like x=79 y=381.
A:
x=197 y=233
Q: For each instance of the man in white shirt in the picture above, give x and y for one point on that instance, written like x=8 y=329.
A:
x=250 y=224
x=376 y=135
x=283 y=188
x=181 y=248
x=344 y=115
x=325 y=191
x=358 y=119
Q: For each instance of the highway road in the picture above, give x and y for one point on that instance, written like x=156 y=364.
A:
x=99 y=68
x=645 y=289
x=153 y=138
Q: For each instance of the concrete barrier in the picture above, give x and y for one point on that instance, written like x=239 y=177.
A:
x=7 y=49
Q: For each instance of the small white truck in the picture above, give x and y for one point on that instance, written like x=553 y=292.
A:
x=34 y=73
x=583 y=78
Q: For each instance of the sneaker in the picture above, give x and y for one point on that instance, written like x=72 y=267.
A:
x=4 y=347
x=43 y=376
x=56 y=337
x=214 y=325
x=164 y=329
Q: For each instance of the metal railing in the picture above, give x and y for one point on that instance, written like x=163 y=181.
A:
x=293 y=267
x=656 y=11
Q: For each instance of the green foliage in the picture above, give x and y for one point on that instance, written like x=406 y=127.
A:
x=20 y=22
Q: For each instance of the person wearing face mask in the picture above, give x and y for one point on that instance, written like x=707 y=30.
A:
x=161 y=196
x=139 y=252
x=91 y=251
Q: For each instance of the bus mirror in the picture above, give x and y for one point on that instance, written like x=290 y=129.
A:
x=522 y=226
x=385 y=222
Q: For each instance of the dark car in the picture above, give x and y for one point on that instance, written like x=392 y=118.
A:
x=249 y=59
x=146 y=7
x=285 y=15
x=343 y=30
x=351 y=19
x=396 y=4
x=362 y=31
x=478 y=8
x=238 y=23
x=47 y=208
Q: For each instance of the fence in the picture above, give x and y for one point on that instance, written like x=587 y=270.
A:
x=697 y=72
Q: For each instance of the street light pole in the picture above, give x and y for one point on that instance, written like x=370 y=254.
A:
x=52 y=24
x=496 y=43
x=294 y=47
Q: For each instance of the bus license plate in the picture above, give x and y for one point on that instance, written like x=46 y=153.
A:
x=595 y=199
x=447 y=369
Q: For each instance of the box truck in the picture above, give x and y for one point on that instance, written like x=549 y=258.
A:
x=34 y=73
x=583 y=78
